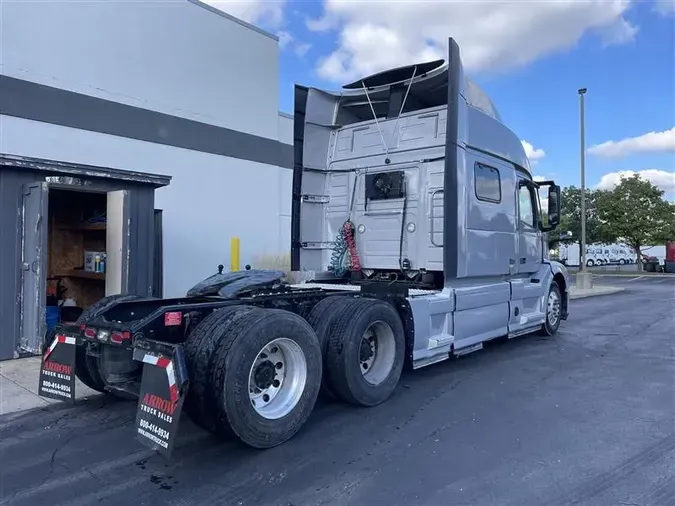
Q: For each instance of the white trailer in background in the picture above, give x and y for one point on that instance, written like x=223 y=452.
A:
x=599 y=254
x=655 y=251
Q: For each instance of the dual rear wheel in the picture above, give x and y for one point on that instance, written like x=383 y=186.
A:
x=257 y=373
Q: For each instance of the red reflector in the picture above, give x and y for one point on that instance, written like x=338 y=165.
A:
x=90 y=333
x=119 y=337
x=173 y=318
x=83 y=326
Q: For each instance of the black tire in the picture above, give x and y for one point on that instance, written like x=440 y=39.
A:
x=87 y=367
x=343 y=365
x=200 y=350
x=321 y=319
x=244 y=339
x=550 y=328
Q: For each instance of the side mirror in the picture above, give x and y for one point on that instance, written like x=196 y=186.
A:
x=553 y=212
x=553 y=206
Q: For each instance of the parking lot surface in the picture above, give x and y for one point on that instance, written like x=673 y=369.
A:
x=584 y=418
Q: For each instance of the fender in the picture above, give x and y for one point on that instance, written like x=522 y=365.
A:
x=560 y=274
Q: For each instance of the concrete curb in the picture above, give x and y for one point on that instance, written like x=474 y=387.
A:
x=594 y=292
x=633 y=275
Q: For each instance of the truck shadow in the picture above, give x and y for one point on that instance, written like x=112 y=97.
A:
x=63 y=453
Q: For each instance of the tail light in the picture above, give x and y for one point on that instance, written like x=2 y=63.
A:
x=90 y=333
x=119 y=337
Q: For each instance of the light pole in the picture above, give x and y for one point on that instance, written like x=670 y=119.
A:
x=582 y=254
x=584 y=279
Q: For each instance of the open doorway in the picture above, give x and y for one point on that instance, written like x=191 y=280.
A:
x=76 y=253
x=73 y=244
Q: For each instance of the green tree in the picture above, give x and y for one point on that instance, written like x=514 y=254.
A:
x=636 y=212
x=570 y=217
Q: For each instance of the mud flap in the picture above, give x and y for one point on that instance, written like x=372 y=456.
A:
x=57 y=370
x=163 y=390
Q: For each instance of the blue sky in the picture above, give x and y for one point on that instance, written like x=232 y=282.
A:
x=531 y=57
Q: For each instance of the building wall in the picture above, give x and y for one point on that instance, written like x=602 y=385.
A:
x=210 y=199
x=173 y=57
x=162 y=87
x=12 y=181
x=286 y=128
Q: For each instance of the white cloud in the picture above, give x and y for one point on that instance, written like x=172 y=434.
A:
x=534 y=154
x=492 y=35
x=665 y=7
x=285 y=39
x=288 y=41
x=660 y=178
x=620 y=32
x=269 y=12
x=301 y=48
x=651 y=142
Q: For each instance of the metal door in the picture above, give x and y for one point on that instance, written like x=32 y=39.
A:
x=529 y=241
x=33 y=267
x=158 y=258
x=117 y=243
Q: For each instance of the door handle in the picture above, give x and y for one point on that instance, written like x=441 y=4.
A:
x=34 y=266
x=523 y=260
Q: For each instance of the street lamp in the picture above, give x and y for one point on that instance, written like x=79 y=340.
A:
x=582 y=254
x=584 y=280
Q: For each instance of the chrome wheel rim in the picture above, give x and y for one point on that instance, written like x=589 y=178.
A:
x=277 y=378
x=377 y=352
x=553 y=308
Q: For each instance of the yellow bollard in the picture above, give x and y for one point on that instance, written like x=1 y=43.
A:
x=234 y=254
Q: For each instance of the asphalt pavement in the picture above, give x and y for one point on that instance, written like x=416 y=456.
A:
x=584 y=418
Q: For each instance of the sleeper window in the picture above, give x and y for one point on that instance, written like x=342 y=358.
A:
x=525 y=210
x=487 y=183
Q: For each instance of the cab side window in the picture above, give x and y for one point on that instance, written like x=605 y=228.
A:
x=525 y=208
x=487 y=183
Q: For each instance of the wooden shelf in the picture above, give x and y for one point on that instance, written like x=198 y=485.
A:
x=85 y=227
x=82 y=274
x=92 y=226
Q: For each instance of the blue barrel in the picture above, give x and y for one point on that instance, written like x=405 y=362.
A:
x=53 y=316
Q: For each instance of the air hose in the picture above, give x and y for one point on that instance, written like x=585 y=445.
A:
x=345 y=255
x=351 y=245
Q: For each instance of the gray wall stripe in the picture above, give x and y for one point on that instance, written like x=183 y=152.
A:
x=28 y=100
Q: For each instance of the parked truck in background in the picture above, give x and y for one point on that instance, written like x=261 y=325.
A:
x=417 y=220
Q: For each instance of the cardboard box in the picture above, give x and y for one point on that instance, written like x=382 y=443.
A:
x=90 y=264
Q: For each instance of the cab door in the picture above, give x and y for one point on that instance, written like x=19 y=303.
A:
x=529 y=240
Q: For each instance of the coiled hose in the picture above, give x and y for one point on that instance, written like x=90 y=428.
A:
x=345 y=255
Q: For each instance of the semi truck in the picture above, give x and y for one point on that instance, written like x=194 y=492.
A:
x=418 y=228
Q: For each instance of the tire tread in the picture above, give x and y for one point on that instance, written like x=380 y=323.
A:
x=340 y=371
x=242 y=333
x=200 y=349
